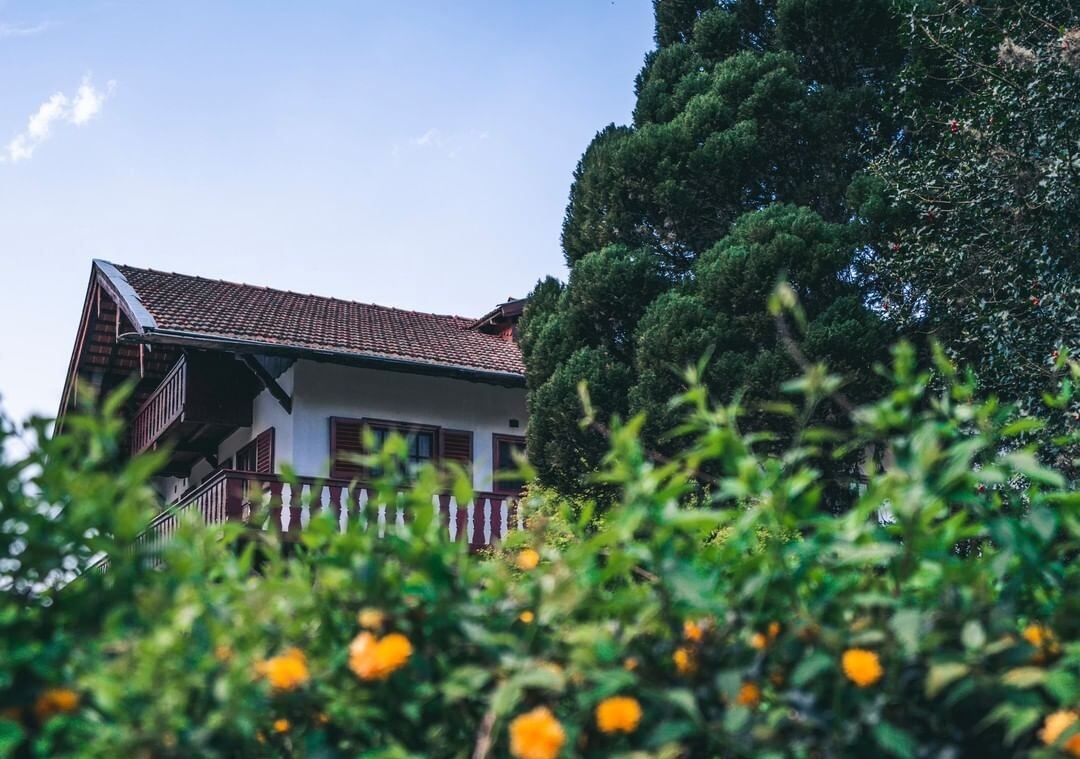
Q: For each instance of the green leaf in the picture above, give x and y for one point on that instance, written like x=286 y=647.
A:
x=1026 y=464
x=1024 y=677
x=11 y=735
x=973 y=636
x=684 y=699
x=942 y=674
x=906 y=625
x=1063 y=685
x=811 y=667
x=895 y=741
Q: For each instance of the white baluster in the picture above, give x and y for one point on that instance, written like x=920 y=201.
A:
x=470 y=513
x=362 y=508
x=399 y=519
x=382 y=520
x=343 y=509
x=324 y=498
x=504 y=516
x=305 y=505
x=436 y=501
x=452 y=518
x=286 y=504
x=487 y=521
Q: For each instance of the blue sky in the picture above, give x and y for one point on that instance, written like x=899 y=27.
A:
x=412 y=154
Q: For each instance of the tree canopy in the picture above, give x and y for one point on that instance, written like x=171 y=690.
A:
x=752 y=119
x=979 y=194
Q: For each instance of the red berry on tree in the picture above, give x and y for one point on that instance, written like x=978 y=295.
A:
x=954 y=126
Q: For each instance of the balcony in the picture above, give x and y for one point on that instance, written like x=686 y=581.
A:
x=229 y=495
x=201 y=400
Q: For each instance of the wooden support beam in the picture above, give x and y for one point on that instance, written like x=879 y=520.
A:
x=271 y=384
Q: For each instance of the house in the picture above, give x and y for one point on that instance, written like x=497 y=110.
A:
x=237 y=381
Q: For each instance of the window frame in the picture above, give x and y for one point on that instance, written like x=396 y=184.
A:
x=389 y=425
x=502 y=486
x=251 y=449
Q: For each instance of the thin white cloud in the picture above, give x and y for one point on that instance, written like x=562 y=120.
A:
x=14 y=30
x=450 y=144
x=59 y=108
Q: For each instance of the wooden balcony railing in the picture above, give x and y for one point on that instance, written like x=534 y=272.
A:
x=161 y=410
x=266 y=502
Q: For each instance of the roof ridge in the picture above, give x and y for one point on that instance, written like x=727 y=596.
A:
x=467 y=319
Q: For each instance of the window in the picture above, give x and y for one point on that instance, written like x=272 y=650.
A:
x=504 y=466
x=347 y=442
x=420 y=447
x=258 y=455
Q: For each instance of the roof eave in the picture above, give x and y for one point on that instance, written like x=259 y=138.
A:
x=368 y=360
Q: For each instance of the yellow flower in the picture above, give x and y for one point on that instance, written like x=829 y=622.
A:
x=55 y=701
x=1043 y=640
x=1055 y=726
x=630 y=663
x=371 y=619
x=749 y=695
x=758 y=641
x=684 y=661
x=371 y=658
x=286 y=671
x=619 y=714
x=322 y=718
x=774 y=630
x=223 y=653
x=527 y=617
x=281 y=725
x=693 y=631
x=862 y=667
x=528 y=559
x=536 y=735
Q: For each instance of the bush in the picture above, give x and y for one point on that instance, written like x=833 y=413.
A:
x=938 y=617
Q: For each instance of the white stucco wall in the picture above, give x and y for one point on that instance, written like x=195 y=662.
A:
x=322 y=391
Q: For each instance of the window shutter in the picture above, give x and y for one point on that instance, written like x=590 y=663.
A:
x=264 y=452
x=258 y=455
x=346 y=440
x=456 y=446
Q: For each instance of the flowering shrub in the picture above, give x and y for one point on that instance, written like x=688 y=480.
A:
x=939 y=616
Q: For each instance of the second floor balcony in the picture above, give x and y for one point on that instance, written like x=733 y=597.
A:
x=201 y=400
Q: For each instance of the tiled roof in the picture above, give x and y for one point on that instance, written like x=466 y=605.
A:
x=216 y=309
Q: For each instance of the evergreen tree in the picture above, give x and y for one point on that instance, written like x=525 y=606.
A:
x=752 y=118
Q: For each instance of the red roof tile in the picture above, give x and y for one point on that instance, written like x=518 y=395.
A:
x=213 y=308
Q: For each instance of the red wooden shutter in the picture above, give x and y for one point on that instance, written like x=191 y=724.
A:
x=258 y=455
x=456 y=446
x=264 y=452
x=346 y=440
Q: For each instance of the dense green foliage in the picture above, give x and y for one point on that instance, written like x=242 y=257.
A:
x=910 y=167
x=982 y=188
x=752 y=118
x=749 y=625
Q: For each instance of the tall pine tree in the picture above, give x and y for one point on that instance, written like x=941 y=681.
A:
x=752 y=119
